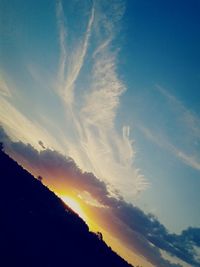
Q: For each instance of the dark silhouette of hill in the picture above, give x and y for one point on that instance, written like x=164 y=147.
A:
x=38 y=230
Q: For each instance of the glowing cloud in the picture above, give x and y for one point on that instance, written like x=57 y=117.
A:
x=19 y=127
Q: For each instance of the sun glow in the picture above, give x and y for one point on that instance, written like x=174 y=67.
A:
x=75 y=206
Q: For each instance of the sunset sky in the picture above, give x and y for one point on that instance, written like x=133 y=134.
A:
x=102 y=99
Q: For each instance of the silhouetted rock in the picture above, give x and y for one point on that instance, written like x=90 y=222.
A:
x=38 y=230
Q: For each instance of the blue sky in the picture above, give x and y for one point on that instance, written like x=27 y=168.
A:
x=116 y=87
x=161 y=71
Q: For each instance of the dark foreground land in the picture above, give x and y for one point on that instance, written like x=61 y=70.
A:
x=38 y=230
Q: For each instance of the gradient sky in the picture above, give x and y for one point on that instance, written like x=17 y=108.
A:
x=115 y=86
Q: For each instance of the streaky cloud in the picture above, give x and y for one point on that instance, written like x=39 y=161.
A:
x=21 y=128
x=4 y=87
x=188 y=122
x=163 y=142
x=62 y=37
x=96 y=144
x=190 y=119
x=69 y=71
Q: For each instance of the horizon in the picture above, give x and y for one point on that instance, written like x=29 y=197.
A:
x=102 y=100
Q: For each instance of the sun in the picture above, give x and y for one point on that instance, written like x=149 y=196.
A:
x=75 y=206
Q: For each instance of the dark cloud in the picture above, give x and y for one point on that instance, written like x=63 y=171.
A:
x=41 y=144
x=3 y=136
x=141 y=232
x=147 y=227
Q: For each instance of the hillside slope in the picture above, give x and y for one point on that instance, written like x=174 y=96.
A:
x=38 y=230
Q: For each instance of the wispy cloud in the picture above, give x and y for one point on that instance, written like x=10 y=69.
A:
x=4 y=87
x=190 y=123
x=75 y=57
x=19 y=127
x=188 y=117
x=163 y=142
x=113 y=152
x=62 y=37
x=97 y=146
x=92 y=137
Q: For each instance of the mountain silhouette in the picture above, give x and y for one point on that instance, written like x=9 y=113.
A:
x=38 y=230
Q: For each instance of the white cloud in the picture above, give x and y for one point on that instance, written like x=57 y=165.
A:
x=4 y=87
x=189 y=118
x=62 y=37
x=96 y=144
x=173 y=259
x=189 y=123
x=19 y=127
x=190 y=160
x=75 y=58
x=102 y=46
x=163 y=142
x=91 y=137
x=106 y=89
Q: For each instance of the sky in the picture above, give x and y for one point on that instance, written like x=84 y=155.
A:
x=107 y=92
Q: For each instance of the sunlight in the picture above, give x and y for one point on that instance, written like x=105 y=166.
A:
x=75 y=206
